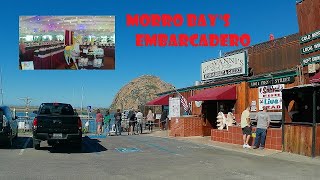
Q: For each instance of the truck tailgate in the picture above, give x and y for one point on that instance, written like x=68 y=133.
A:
x=57 y=124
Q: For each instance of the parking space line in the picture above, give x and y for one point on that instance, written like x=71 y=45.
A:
x=25 y=146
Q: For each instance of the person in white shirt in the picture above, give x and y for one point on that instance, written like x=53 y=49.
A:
x=246 y=127
x=139 y=117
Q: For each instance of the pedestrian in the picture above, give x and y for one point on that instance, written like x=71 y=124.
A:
x=246 y=127
x=86 y=126
x=139 y=117
x=107 y=122
x=99 y=119
x=150 y=120
x=163 y=119
x=132 y=122
x=117 y=117
x=263 y=122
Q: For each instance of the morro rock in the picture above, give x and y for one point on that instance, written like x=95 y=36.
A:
x=139 y=91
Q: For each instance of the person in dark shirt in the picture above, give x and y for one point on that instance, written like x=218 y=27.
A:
x=117 y=117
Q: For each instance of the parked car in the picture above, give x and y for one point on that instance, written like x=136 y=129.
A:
x=57 y=123
x=8 y=125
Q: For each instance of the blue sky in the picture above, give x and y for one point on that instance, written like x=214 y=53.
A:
x=179 y=66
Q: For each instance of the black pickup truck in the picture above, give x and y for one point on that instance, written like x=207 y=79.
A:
x=57 y=123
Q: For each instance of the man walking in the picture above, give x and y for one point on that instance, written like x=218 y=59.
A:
x=263 y=122
x=246 y=127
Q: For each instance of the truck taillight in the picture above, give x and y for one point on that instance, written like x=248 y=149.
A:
x=35 y=122
x=79 y=124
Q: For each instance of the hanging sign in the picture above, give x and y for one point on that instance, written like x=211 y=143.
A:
x=224 y=67
x=309 y=60
x=311 y=48
x=310 y=37
x=266 y=82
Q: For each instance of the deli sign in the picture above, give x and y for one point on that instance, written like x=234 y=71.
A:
x=271 y=97
x=224 y=67
x=282 y=80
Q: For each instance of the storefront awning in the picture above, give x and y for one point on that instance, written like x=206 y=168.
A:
x=315 y=78
x=161 y=101
x=218 y=93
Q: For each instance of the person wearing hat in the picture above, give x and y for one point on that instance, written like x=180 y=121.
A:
x=263 y=122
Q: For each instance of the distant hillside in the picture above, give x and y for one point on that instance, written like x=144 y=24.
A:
x=139 y=91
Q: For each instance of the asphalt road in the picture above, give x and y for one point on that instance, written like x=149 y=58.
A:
x=142 y=157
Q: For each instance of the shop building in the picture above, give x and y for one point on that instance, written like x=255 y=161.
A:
x=301 y=131
x=268 y=74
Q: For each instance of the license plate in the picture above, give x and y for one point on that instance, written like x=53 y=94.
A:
x=57 y=135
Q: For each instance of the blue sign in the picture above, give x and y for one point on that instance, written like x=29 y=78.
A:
x=128 y=150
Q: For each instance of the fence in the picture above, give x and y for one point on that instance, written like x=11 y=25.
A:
x=26 y=124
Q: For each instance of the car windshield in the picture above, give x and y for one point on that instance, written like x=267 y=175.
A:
x=56 y=109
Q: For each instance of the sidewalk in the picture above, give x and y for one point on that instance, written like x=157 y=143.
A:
x=238 y=148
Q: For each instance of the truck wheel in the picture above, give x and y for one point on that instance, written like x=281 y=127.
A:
x=9 y=142
x=36 y=144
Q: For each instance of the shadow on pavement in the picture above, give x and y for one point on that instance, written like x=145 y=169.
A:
x=18 y=143
x=88 y=146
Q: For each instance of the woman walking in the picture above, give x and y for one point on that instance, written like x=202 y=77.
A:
x=150 y=120
x=99 y=119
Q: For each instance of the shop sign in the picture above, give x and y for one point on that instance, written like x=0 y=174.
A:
x=271 y=97
x=310 y=37
x=198 y=103
x=309 y=60
x=174 y=107
x=282 y=80
x=311 y=48
x=271 y=91
x=224 y=67
x=271 y=103
x=253 y=106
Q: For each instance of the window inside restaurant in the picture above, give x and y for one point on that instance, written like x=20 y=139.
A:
x=299 y=105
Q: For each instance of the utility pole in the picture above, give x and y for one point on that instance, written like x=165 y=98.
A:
x=27 y=101
x=81 y=99
x=1 y=90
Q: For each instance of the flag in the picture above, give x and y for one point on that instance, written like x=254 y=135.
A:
x=184 y=103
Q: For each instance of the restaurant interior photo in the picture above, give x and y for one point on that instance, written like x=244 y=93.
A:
x=67 y=42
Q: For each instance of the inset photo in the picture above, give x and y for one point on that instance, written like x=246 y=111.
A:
x=67 y=42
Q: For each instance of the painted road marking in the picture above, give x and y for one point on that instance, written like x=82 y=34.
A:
x=128 y=150
x=25 y=146
x=97 y=136
x=156 y=146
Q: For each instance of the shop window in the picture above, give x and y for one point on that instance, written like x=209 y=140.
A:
x=300 y=107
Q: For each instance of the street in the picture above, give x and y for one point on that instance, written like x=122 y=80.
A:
x=143 y=157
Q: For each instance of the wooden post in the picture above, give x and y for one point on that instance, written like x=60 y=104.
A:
x=282 y=126
x=314 y=116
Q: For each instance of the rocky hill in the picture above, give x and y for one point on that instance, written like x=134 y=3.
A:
x=139 y=91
